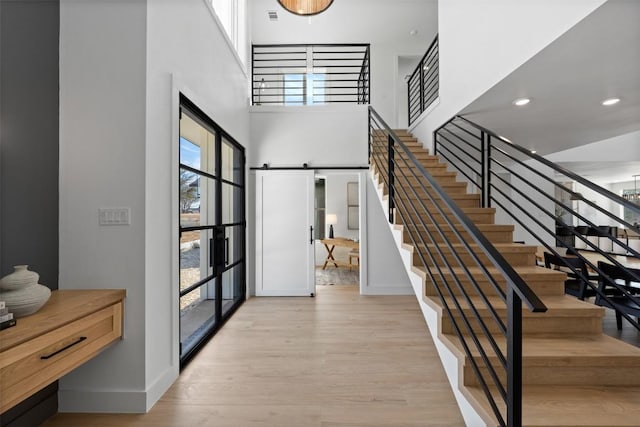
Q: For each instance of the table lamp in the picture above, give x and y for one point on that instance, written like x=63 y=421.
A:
x=331 y=219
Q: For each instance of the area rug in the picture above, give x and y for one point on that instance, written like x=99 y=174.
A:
x=336 y=276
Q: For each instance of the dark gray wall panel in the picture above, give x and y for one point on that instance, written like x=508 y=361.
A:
x=29 y=117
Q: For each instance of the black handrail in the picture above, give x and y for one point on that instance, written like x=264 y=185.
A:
x=423 y=84
x=527 y=203
x=410 y=188
x=304 y=74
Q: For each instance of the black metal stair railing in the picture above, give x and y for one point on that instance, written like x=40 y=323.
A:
x=423 y=84
x=455 y=257
x=310 y=74
x=551 y=207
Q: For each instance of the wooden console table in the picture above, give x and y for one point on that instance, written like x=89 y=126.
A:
x=331 y=244
x=71 y=328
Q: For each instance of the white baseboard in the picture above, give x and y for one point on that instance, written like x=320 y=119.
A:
x=116 y=401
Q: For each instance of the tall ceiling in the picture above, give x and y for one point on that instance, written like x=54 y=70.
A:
x=599 y=58
x=347 y=21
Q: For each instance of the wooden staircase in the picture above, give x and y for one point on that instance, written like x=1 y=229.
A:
x=573 y=374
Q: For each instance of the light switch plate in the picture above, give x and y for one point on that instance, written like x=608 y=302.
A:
x=114 y=216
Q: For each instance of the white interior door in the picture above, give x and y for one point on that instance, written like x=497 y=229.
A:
x=284 y=234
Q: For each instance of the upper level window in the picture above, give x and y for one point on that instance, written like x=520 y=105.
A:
x=232 y=15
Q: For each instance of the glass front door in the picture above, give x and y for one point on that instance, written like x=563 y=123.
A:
x=212 y=227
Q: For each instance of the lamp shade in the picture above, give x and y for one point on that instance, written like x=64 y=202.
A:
x=332 y=219
x=305 y=7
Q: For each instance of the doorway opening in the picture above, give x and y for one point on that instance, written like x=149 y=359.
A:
x=337 y=225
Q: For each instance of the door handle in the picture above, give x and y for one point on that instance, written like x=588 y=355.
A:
x=211 y=252
x=226 y=251
x=311 y=234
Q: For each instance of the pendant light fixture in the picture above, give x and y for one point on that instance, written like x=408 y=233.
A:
x=305 y=7
x=633 y=196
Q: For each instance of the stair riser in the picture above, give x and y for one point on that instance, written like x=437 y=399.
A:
x=542 y=288
x=513 y=258
x=451 y=187
x=562 y=375
x=541 y=324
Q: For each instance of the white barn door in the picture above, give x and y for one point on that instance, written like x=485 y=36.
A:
x=285 y=256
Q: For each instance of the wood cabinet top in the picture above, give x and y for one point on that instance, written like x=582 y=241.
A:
x=64 y=306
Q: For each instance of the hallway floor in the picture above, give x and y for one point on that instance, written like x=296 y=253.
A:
x=340 y=359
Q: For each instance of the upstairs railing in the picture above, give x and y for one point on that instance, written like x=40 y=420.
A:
x=308 y=74
x=561 y=212
x=472 y=280
x=423 y=85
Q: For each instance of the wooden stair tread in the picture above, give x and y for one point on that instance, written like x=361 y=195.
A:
x=544 y=405
x=471 y=210
x=527 y=273
x=568 y=351
x=482 y=227
x=506 y=247
x=557 y=306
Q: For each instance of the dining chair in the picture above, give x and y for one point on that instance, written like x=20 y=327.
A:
x=577 y=274
x=622 y=297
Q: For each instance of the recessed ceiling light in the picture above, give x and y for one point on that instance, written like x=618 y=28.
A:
x=610 y=101
x=521 y=101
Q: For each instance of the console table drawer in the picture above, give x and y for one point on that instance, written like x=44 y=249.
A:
x=32 y=365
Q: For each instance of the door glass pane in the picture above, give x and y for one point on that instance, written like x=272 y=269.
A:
x=232 y=290
x=232 y=202
x=232 y=163
x=234 y=239
x=189 y=153
x=197 y=314
x=197 y=200
x=197 y=144
x=194 y=257
x=190 y=191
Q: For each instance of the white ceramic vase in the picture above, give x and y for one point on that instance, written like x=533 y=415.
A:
x=22 y=293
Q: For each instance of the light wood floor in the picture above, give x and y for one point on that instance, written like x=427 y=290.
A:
x=339 y=359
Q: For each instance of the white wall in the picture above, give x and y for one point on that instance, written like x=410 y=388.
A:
x=188 y=52
x=385 y=271
x=102 y=164
x=406 y=66
x=336 y=203
x=483 y=42
x=119 y=147
x=326 y=135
